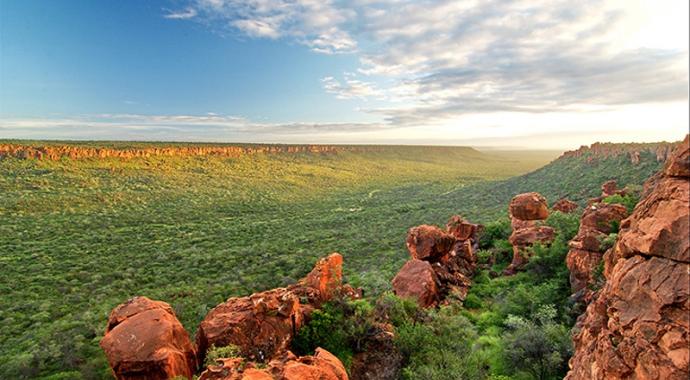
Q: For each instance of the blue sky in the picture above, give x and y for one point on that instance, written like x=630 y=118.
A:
x=539 y=74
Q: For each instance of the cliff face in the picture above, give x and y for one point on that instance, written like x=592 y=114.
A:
x=662 y=151
x=638 y=325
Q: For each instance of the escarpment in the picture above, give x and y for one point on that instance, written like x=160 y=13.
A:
x=661 y=151
x=638 y=325
x=442 y=262
x=144 y=339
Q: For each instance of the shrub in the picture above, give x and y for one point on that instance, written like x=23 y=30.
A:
x=627 y=200
x=494 y=231
x=214 y=353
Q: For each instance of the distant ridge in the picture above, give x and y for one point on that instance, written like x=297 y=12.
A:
x=662 y=150
x=125 y=150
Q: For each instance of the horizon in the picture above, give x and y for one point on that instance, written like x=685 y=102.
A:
x=489 y=75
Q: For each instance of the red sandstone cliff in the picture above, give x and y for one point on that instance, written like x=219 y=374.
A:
x=638 y=325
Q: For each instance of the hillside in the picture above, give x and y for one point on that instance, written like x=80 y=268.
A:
x=78 y=236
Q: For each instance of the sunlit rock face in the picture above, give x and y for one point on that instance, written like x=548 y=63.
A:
x=638 y=325
x=144 y=340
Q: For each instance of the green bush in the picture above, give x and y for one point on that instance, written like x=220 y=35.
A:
x=214 y=353
x=493 y=231
x=627 y=200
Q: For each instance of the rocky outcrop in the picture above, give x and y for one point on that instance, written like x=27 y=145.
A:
x=441 y=264
x=527 y=212
x=428 y=242
x=565 y=206
x=608 y=189
x=638 y=325
x=144 y=340
x=381 y=359
x=321 y=366
x=260 y=325
x=587 y=249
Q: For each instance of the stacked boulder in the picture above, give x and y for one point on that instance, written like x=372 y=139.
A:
x=638 y=325
x=587 y=248
x=144 y=339
x=441 y=264
x=527 y=214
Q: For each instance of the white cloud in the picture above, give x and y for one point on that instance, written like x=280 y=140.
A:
x=351 y=88
x=182 y=14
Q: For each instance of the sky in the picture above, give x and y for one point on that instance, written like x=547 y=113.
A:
x=487 y=73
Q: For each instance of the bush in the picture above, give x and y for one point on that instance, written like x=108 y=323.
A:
x=539 y=346
x=493 y=231
x=340 y=327
x=627 y=200
x=214 y=353
x=440 y=349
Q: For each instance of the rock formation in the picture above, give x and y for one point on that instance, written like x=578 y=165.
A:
x=262 y=325
x=587 y=249
x=633 y=151
x=565 y=206
x=322 y=366
x=527 y=211
x=441 y=263
x=144 y=340
x=638 y=325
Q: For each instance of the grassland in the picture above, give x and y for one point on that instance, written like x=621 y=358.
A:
x=77 y=237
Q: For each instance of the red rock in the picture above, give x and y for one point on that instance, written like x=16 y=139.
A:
x=428 y=243
x=565 y=206
x=261 y=325
x=322 y=366
x=609 y=188
x=529 y=206
x=461 y=229
x=529 y=236
x=417 y=279
x=144 y=340
x=638 y=325
x=582 y=264
x=678 y=165
x=326 y=277
x=603 y=217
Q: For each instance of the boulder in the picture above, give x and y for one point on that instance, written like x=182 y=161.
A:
x=461 y=229
x=565 y=206
x=638 y=325
x=321 y=366
x=529 y=206
x=603 y=217
x=417 y=279
x=527 y=237
x=144 y=340
x=428 y=243
x=609 y=188
x=260 y=325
